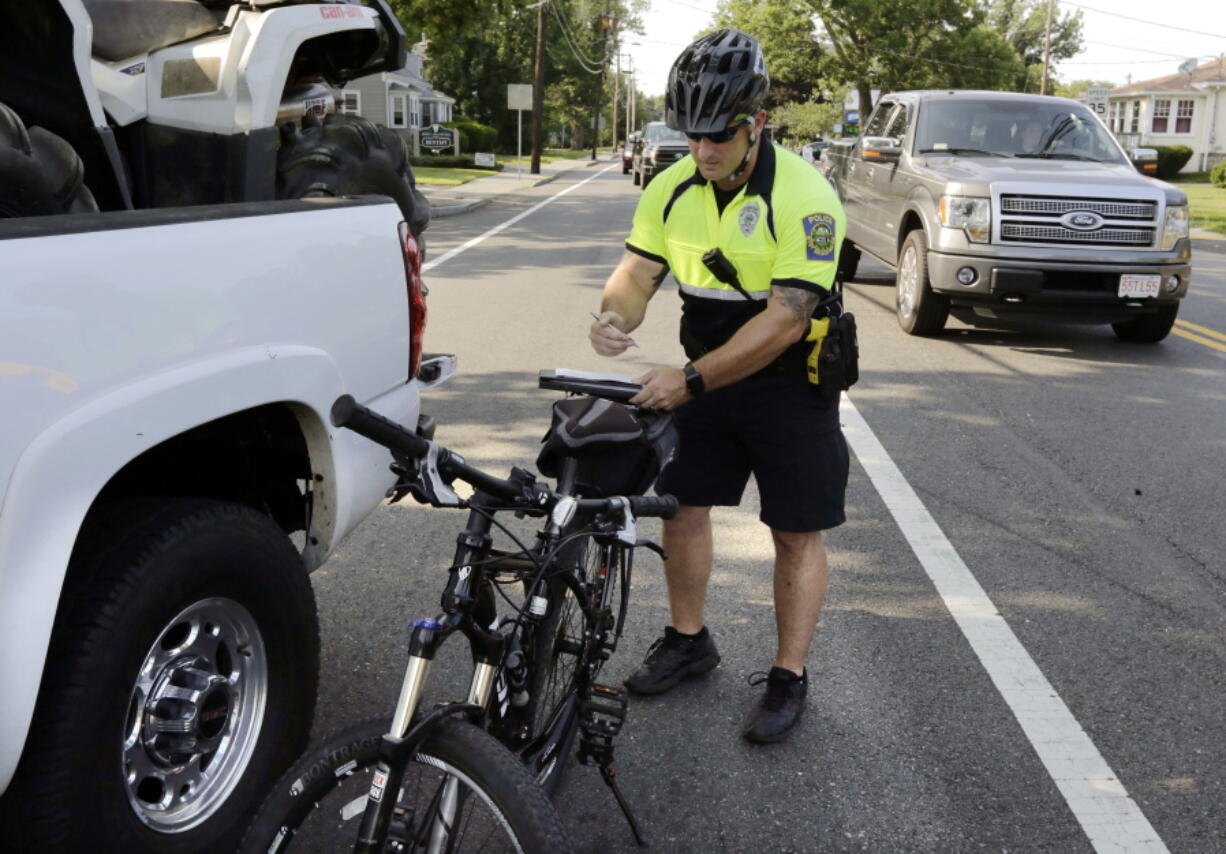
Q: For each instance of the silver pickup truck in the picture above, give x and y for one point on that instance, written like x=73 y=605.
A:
x=993 y=203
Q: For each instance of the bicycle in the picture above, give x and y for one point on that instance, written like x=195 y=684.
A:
x=482 y=766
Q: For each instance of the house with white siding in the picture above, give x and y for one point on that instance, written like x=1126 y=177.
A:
x=1181 y=109
x=402 y=100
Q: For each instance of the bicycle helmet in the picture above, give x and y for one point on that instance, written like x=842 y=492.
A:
x=718 y=80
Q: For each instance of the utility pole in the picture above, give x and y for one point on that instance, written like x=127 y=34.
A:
x=629 y=83
x=607 y=22
x=617 y=76
x=1046 y=48
x=538 y=89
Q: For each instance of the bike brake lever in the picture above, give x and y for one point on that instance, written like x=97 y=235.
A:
x=652 y=546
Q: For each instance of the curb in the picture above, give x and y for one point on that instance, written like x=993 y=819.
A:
x=440 y=211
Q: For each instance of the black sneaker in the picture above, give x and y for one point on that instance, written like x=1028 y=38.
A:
x=780 y=707
x=672 y=658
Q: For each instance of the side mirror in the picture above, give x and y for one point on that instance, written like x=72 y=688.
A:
x=881 y=149
x=1146 y=160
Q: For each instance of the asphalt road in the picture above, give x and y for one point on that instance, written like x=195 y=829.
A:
x=1079 y=480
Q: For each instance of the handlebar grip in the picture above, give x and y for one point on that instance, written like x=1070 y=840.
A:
x=347 y=412
x=664 y=506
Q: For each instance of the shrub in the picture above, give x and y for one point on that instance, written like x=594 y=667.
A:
x=1172 y=158
x=474 y=136
x=1218 y=175
x=450 y=161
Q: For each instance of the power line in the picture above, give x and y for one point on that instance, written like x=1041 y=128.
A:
x=583 y=59
x=1126 y=61
x=1139 y=49
x=589 y=65
x=1142 y=20
x=693 y=6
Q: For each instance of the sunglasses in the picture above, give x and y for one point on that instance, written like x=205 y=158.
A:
x=718 y=136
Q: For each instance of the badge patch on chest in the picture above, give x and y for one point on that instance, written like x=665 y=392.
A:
x=750 y=214
x=819 y=237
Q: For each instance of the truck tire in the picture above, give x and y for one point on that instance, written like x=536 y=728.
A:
x=849 y=260
x=347 y=156
x=920 y=310
x=186 y=641
x=1148 y=328
x=40 y=174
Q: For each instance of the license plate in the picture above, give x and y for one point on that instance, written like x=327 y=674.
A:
x=1139 y=286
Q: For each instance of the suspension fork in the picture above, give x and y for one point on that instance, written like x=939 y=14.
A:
x=427 y=636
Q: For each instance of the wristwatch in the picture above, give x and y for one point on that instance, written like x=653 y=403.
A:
x=693 y=380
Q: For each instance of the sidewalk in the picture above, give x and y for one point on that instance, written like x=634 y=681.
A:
x=449 y=201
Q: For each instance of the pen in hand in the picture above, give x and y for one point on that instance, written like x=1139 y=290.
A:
x=601 y=320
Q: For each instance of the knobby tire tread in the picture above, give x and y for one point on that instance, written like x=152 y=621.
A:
x=466 y=747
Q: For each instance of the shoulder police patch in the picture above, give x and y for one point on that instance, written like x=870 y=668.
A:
x=819 y=237
x=750 y=214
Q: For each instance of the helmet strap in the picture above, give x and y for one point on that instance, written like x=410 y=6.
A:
x=740 y=169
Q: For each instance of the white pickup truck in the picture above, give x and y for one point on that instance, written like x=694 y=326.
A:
x=168 y=477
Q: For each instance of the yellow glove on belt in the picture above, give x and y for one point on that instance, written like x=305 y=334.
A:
x=818 y=329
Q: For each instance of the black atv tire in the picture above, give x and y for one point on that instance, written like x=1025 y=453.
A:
x=346 y=156
x=40 y=173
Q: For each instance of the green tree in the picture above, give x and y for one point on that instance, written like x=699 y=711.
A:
x=808 y=120
x=875 y=44
x=478 y=47
x=788 y=35
x=1023 y=24
x=1077 y=88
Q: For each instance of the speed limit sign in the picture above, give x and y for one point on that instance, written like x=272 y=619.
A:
x=1096 y=100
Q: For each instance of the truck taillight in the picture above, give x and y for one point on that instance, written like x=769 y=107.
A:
x=417 y=297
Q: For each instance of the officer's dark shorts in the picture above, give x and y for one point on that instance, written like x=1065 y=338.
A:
x=776 y=427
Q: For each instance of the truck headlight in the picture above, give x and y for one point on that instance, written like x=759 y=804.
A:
x=972 y=215
x=1175 y=227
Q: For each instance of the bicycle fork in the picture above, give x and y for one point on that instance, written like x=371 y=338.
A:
x=400 y=744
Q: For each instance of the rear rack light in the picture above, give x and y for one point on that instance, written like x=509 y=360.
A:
x=417 y=292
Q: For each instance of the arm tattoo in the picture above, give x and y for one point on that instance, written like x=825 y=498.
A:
x=800 y=302
x=659 y=277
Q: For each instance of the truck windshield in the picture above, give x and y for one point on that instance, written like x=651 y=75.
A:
x=1013 y=128
x=661 y=133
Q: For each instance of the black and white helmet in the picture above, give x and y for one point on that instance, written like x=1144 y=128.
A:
x=716 y=81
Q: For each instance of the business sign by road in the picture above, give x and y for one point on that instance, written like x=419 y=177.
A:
x=437 y=138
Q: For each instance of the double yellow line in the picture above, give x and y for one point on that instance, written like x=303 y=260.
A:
x=1200 y=334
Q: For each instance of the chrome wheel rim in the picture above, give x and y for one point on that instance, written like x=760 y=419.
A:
x=194 y=715
x=908 y=282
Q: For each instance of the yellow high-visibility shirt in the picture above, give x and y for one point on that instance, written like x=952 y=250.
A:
x=784 y=227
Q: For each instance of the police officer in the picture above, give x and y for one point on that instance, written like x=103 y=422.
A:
x=743 y=401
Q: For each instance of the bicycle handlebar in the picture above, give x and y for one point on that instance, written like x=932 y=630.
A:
x=348 y=413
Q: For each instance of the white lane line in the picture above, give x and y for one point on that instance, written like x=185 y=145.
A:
x=447 y=256
x=1110 y=818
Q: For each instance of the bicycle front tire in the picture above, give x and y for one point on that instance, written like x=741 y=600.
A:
x=318 y=805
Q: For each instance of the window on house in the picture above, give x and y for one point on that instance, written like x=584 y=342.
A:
x=415 y=112
x=398 y=112
x=1134 y=125
x=351 y=102
x=1183 y=117
x=1113 y=115
x=1162 y=114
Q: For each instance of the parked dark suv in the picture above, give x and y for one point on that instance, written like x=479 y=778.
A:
x=659 y=148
